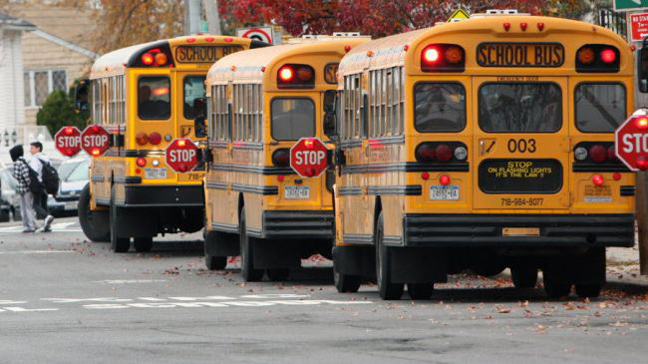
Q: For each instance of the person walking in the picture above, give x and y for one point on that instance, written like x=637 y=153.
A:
x=40 y=199
x=20 y=172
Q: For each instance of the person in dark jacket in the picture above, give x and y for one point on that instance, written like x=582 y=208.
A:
x=20 y=172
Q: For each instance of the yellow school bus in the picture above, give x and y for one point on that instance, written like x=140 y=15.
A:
x=261 y=102
x=146 y=96
x=483 y=144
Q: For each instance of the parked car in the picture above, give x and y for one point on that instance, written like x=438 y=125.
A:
x=10 y=200
x=74 y=176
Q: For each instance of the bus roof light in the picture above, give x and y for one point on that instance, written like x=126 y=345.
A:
x=161 y=59
x=453 y=55
x=608 y=56
x=541 y=26
x=523 y=26
x=286 y=74
x=431 y=55
x=147 y=59
x=507 y=26
x=586 y=56
x=305 y=73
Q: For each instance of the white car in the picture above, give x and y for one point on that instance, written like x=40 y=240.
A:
x=74 y=176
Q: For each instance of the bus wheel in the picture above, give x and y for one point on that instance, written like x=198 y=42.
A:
x=555 y=285
x=247 y=253
x=420 y=291
x=278 y=274
x=215 y=263
x=143 y=245
x=117 y=244
x=524 y=277
x=346 y=283
x=588 y=290
x=95 y=224
x=387 y=289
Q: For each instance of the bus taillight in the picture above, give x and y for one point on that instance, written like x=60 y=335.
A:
x=155 y=138
x=281 y=158
x=443 y=58
x=441 y=152
x=598 y=153
x=141 y=138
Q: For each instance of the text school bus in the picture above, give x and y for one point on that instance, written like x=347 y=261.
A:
x=483 y=144
x=262 y=102
x=144 y=96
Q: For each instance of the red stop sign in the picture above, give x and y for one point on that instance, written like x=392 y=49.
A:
x=95 y=140
x=68 y=141
x=631 y=141
x=182 y=155
x=308 y=157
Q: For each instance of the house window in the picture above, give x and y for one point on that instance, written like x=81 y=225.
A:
x=39 y=84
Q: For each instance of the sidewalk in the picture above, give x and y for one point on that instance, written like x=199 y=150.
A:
x=623 y=270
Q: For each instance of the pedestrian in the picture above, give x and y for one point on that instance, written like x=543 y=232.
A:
x=20 y=172
x=38 y=160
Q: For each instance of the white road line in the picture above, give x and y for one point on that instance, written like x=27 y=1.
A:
x=37 y=252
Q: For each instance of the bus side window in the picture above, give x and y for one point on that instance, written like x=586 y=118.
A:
x=642 y=72
x=329 y=113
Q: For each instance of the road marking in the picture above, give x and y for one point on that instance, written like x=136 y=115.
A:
x=37 y=252
x=103 y=306
x=61 y=227
x=127 y=281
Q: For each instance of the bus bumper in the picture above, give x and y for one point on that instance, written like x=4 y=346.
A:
x=312 y=225
x=162 y=196
x=555 y=231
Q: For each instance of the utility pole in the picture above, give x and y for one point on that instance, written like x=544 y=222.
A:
x=213 y=17
x=192 y=16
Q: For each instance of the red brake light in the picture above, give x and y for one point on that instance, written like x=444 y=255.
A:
x=598 y=180
x=425 y=153
x=147 y=59
x=443 y=152
x=431 y=55
x=281 y=158
x=141 y=162
x=155 y=138
x=141 y=138
x=608 y=56
x=296 y=76
x=286 y=74
x=598 y=153
x=611 y=153
x=444 y=180
x=443 y=58
x=161 y=59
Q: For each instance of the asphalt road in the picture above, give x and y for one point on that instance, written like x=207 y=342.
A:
x=65 y=300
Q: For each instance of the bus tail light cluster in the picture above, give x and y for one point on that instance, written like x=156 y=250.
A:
x=598 y=58
x=595 y=152
x=296 y=76
x=431 y=152
x=159 y=56
x=281 y=157
x=154 y=138
x=443 y=58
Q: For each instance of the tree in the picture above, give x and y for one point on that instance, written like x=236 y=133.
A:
x=58 y=111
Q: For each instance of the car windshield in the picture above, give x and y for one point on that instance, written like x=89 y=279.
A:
x=7 y=180
x=80 y=173
x=66 y=168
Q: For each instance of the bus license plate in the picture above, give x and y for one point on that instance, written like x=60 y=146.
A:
x=155 y=173
x=296 y=192
x=450 y=193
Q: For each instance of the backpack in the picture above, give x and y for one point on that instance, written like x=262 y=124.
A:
x=50 y=178
x=35 y=186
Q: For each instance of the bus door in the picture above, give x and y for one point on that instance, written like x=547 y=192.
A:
x=521 y=143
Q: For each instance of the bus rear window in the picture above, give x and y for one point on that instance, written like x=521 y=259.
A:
x=292 y=119
x=154 y=98
x=439 y=107
x=520 y=108
x=600 y=107
x=193 y=88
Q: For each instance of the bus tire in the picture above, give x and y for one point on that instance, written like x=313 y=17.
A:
x=143 y=245
x=117 y=244
x=215 y=263
x=555 y=285
x=278 y=274
x=95 y=224
x=387 y=289
x=346 y=283
x=420 y=291
x=588 y=290
x=524 y=277
x=248 y=272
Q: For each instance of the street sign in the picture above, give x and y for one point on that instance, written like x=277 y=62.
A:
x=182 y=155
x=629 y=5
x=262 y=34
x=95 y=140
x=631 y=141
x=639 y=26
x=458 y=15
x=308 y=157
x=68 y=141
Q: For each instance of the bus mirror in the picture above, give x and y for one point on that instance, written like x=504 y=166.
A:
x=200 y=107
x=200 y=127
x=81 y=96
x=329 y=124
x=329 y=101
x=642 y=72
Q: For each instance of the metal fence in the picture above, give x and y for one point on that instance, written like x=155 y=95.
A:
x=612 y=20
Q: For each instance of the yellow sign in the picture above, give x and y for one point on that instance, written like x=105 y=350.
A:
x=458 y=16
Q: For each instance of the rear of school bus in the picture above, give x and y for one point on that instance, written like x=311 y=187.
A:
x=257 y=206
x=161 y=82
x=509 y=135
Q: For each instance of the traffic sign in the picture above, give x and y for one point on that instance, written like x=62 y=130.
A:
x=639 y=26
x=629 y=5
x=68 y=141
x=95 y=140
x=262 y=34
x=182 y=155
x=458 y=15
x=631 y=141
x=308 y=157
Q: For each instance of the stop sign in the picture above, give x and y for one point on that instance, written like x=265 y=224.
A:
x=68 y=141
x=308 y=157
x=182 y=155
x=631 y=141
x=95 y=140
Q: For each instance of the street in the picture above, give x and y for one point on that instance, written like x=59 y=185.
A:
x=64 y=300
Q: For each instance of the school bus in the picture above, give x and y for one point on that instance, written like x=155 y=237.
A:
x=146 y=96
x=483 y=144
x=261 y=102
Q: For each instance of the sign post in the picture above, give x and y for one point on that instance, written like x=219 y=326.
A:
x=630 y=5
x=182 y=155
x=309 y=157
x=68 y=141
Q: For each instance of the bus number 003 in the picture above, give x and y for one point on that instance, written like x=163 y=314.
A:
x=522 y=146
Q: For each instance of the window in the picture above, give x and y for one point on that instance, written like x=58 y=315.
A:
x=247 y=112
x=219 y=128
x=439 y=107
x=80 y=173
x=600 y=108
x=520 y=108
x=97 y=103
x=116 y=100
x=293 y=119
x=39 y=84
x=385 y=103
x=193 y=88
x=154 y=98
